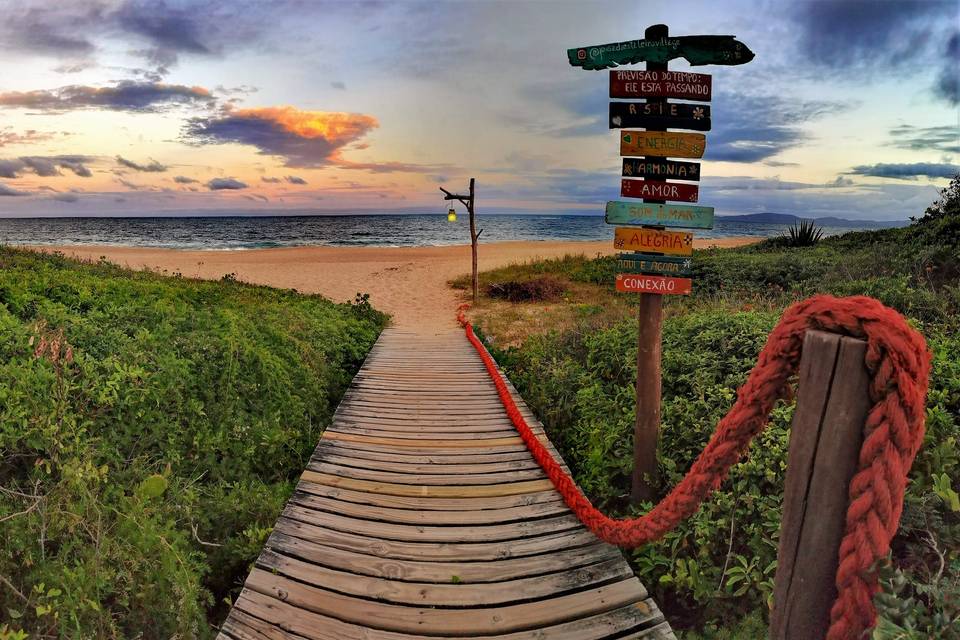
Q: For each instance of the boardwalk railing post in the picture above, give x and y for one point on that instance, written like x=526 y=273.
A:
x=825 y=441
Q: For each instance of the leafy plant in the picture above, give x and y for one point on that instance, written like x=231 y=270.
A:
x=803 y=233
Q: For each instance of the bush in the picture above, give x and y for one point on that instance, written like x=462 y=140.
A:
x=150 y=431
x=540 y=289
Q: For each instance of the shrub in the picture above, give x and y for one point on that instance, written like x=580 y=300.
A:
x=539 y=289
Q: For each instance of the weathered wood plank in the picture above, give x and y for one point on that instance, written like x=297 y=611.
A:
x=480 y=491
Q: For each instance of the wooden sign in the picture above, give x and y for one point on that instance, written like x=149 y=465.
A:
x=662 y=144
x=661 y=84
x=657 y=190
x=664 y=285
x=659 y=115
x=645 y=263
x=662 y=169
x=662 y=215
x=674 y=243
x=697 y=50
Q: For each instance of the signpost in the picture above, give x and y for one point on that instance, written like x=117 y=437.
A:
x=662 y=143
x=655 y=189
x=655 y=115
x=660 y=84
x=654 y=271
x=663 y=215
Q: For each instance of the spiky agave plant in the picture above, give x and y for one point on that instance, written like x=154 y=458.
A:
x=803 y=233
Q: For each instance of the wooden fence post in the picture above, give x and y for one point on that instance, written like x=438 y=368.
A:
x=825 y=440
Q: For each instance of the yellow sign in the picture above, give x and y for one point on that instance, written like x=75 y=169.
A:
x=674 y=243
x=662 y=143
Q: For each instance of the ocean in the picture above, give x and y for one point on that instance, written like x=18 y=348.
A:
x=387 y=230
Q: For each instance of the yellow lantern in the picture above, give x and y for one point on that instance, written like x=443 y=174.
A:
x=451 y=215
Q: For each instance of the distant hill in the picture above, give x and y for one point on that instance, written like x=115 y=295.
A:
x=787 y=218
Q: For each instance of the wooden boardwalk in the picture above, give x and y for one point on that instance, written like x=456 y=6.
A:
x=422 y=515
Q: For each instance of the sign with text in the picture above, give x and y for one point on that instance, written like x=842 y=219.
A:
x=662 y=215
x=657 y=190
x=661 y=84
x=662 y=144
x=664 y=285
x=644 y=263
x=697 y=50
x=674 y=243
x=659 y=115
x=662 y=169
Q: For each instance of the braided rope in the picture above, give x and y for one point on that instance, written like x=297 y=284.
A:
x=899 y=365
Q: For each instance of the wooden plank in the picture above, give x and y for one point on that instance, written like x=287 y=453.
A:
x=660 y=285
x=426 y=468
x=404 y=455
x=659 y=115
x=662 y=144
x=660 y=84
x=825 y=439
x=423 y=443
x=644 y=263
x=682 y=216
x=696 y=50
x=659 y=190
x=391 y=617
x=402 y=477
x=481 y=491
x=677 y=243
x=660 y=169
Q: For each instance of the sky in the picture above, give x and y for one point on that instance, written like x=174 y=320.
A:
x=136 y=107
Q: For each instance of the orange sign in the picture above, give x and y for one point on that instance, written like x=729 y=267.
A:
x=674 y=243
x=662 y=143
x=634 y=283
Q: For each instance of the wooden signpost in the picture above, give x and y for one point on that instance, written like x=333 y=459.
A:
x=657 y=190
x=662 y=143
x=660 y=84
x=661 y=169
x=653 y=271
x=663 y=215
x=656 y=115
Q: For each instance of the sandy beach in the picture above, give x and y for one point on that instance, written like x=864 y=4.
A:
x=410 y=283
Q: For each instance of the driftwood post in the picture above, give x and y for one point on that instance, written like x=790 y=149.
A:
x=646 y=428
x=825 y=441
x=468 y=202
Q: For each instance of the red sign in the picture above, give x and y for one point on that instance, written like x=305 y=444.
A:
x=656 y=190
x=664 y=285
x=660 y=84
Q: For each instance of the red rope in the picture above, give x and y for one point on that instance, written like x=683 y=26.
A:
x=898 y=363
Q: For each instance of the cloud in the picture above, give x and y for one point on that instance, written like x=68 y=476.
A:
x=907 y=171
x=151 y=167
x=7 y=190
x=390 y=167
x=947 y=85
x=128 y=95
x=336 y=84
x=219 y=184
x=65 y=197
x=752 y=128
x=45 y=166
x=295 y=180
x=183 y=180
x=41 y=29
x=256 y=197
x=30 y=136
x=944 y=138
x=302 y=138
x=270 y=180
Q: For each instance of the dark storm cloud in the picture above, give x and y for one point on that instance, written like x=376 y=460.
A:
x=45 y=166
x=753 y=128
x=907 y=171
x=183 y=180
x=7 y=190
x=944 y=138
x=128 y=95
x=151 y=167
x=947 y=86
x=220 y=184
x=295 y=180
x=169 y=28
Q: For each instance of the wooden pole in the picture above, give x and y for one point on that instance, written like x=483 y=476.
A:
x=646 y=429
x=825 y=439
x=473 y=243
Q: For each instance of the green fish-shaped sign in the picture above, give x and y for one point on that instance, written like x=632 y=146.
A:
x=697 y=50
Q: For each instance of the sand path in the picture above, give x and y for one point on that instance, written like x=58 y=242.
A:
x=410 y=283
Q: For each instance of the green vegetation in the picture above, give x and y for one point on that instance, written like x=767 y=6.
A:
x=803 y=233
x=151 y=430
x=713 y=575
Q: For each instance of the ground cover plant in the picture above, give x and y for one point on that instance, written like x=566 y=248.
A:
x=151 y=429
x=713 y=576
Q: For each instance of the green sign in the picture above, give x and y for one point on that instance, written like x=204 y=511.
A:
x=645 y=263
x=680 y=216
x=697 y=50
